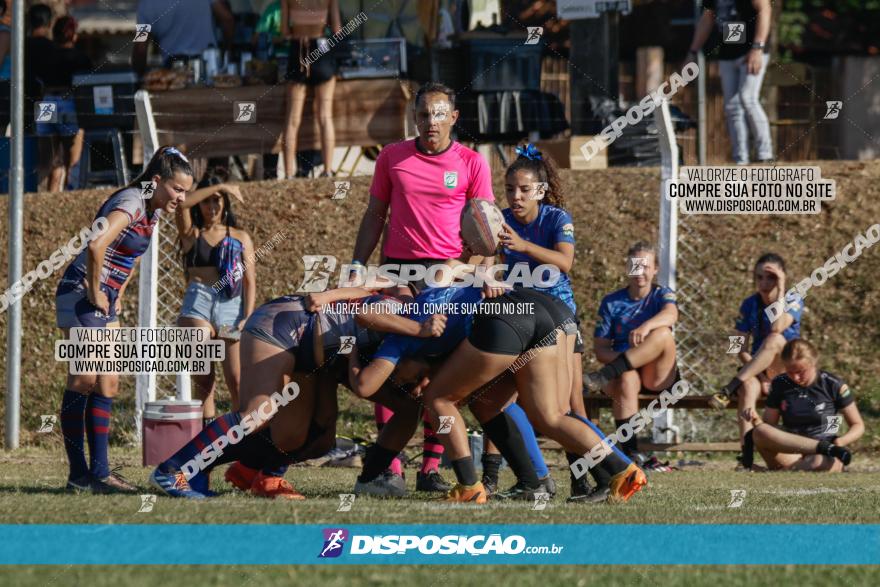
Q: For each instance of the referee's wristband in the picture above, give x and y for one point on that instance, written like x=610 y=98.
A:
x=356 y=263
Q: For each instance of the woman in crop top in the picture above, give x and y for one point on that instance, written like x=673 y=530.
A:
x=204 y=220
x=312 y=63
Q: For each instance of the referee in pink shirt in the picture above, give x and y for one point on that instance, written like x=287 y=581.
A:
x=424 y=183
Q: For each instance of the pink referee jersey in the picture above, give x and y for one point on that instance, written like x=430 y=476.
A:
x=426 y=194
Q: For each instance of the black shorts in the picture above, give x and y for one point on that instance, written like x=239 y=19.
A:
x=645 y=391
x=562 y=315
x=505 y=332
x=307 y=64
x=564 y=318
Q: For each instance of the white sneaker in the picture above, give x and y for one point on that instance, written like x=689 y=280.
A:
x=382 y=486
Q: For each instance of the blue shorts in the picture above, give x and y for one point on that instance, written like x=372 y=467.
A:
x=67 y=125
x=74 y=310
x=203 y=303
x=284 y=322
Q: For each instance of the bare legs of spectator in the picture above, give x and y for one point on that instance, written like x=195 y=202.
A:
x=324 y=116
x=74 y=152
x=56 y=164
x=296 y=98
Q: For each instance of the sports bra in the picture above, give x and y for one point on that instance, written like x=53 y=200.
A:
x=201 y=254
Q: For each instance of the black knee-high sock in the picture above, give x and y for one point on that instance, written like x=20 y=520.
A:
x=491 y=466
x=602 y=474
x=732 y=386
x=502 y=431
x=263 y=452
x=631 y=445
x=617 y=367
x=465 y=472
x=377 y=459
x=272 y=460
x=748 y=449
x=572 y=458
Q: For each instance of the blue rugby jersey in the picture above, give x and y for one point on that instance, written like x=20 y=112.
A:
x=753 y=319
x=619 y=314
x=553 y=225
x=458 y=325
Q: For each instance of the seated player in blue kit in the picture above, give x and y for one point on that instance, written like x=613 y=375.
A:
x=633 y=339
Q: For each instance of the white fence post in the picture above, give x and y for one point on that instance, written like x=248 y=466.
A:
x=145 y=383
x=664 y=428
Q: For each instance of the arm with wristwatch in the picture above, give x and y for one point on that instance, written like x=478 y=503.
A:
x=755 y=56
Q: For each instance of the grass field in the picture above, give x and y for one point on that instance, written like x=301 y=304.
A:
x=30 y=482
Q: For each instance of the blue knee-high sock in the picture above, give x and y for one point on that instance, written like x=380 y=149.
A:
x=73 y=412
x=519 y=417
x=210 y=433
x=601 y=436
x=98 y=432
x=277 y=471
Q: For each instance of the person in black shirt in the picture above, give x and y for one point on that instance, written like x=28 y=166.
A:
x=66 y=138
x=737 y=33
x=38 y=52
x=811 y=403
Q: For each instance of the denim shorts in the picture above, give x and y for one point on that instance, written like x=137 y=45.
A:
x=66 y=125
x=202 y=302
x=74 y=310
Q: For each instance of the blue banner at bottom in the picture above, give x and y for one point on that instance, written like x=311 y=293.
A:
x=313 y=544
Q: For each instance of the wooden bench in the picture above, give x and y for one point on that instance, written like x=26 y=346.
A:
x=595 y=402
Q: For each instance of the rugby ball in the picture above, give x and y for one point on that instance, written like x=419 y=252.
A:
x=481 y=221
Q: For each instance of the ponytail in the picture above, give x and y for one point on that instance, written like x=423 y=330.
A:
x=165 y=163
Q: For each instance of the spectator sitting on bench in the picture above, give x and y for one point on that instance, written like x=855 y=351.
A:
x=633 y=339
x=811 y=403
x=763 y=362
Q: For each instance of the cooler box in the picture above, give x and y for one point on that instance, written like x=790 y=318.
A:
x=167 y=426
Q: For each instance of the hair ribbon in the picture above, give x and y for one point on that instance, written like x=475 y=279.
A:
x=530 y=152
